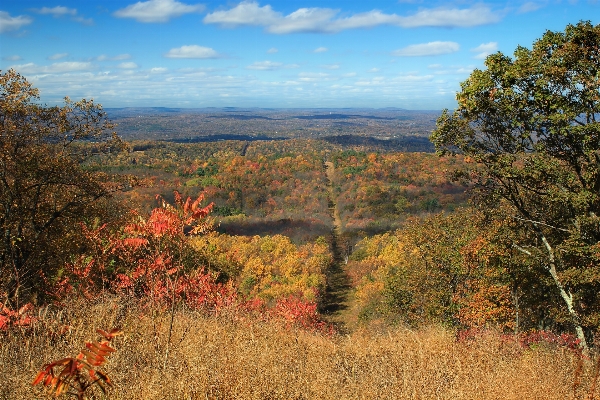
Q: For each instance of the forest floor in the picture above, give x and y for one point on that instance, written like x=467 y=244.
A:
x=336 y=302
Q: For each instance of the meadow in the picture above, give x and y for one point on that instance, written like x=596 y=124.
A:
x=228 y=356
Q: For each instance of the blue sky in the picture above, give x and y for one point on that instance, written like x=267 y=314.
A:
x=269 y=53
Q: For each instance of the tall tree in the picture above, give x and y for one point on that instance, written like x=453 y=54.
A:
x=530 y=124
x=44 y=191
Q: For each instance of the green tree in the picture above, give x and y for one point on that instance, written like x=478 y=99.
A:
x=529 y=124
x=44 y=191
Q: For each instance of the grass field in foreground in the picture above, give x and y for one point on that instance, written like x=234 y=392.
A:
x=229 y=357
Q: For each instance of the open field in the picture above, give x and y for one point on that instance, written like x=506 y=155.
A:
x=229 y=357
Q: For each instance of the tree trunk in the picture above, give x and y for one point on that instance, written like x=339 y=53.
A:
x=567 y=297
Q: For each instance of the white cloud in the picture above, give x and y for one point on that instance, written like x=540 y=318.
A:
x=377 y=81
x=270 y=66
x=314 y=77
x=413 y=78
x=128 y=65
x=8 y=23
x=323 y=20
x=331 y=66
x=484 y=50
x=309 y=20
x=441 y=70
x=265 y=65
x=56 y=11
x=487 y=47
x=452 y=17
x=118 y=57
x=56 y=68
x=530 y=6
x=157 y=10
x=320 y=50
x=204 y=87
x=60 y=11
x=272 y=50
x=12 y=58
x=84 y=21
x=427 y=49
x=374 y=70
x=58 y=56
x=192 y=51
x=245 y=13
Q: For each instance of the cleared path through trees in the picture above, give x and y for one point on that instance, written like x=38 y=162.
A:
x=336 y=300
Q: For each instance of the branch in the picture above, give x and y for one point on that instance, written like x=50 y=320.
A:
x=522 y=250
x=540 y=223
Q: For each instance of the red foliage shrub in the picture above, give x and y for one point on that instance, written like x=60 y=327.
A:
x=13 y=318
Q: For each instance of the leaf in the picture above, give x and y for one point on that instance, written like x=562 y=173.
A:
x=39 y=377
x=61 y=387
x=115 y=332
x=103 y=333
x=110 y=335
x=48 y=380
x=104 y=377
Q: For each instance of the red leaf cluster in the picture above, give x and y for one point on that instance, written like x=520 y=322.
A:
x=81 y=372
x=11 y=318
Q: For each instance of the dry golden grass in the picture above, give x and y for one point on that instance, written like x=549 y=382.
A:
x=225 y=358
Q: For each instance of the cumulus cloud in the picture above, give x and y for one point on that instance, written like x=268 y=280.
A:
x=57 y=11
x=452 y=17
x=270 y=66
x=56 y=68
x=58 y=56
x=157 y=10
x=427 y=49
x=309 y=20
x=60 y=11
x=158 y=70
x=245 y=13
x=8 y=23
x=81 y=20
x=12 y=58
x=192 y=51
x=314 y=77
x=484 y=50
x=118 y=57
x=320 y=50
x=265 y=65
x=441 y=70
x=530 y=6
x=326 y=20
x=128 y=65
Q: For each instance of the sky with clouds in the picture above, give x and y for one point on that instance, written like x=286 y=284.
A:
x=270 y=53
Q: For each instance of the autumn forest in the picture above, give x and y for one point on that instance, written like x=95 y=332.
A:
x=308 y=254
